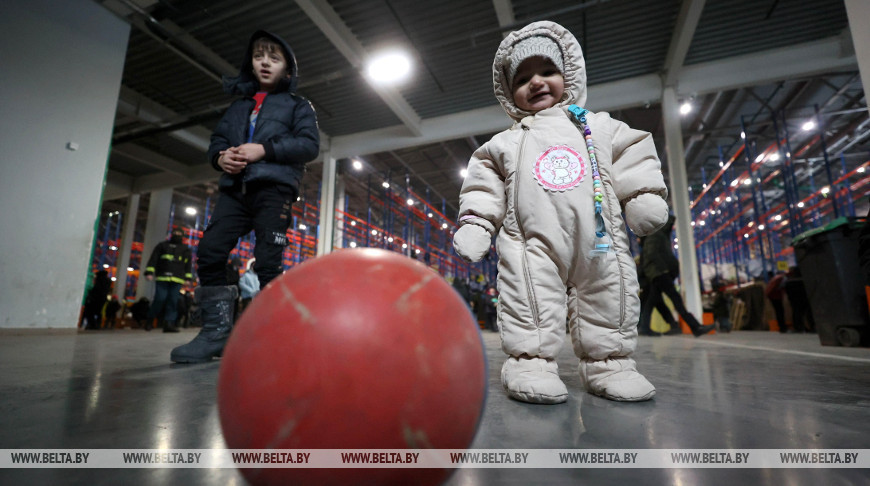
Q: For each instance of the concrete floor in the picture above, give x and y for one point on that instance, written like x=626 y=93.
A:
x=744 y=390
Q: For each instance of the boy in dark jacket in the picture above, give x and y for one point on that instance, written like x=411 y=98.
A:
x=170 y=264
x=261 y=144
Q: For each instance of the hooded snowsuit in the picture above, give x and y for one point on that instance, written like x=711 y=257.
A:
x=532 y=186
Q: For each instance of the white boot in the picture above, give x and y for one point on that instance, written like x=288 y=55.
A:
x=533 y=380
x=615 y=379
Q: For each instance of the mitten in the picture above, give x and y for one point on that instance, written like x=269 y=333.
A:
x=646 y=213
x=472 y=242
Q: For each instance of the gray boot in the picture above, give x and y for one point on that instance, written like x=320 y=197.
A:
x=217 y=304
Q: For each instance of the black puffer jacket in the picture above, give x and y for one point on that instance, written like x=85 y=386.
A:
x=286 y=126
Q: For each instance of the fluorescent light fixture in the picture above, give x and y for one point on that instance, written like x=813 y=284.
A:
x=774 y=156
x=808 y=126
x=389 y=67
x=747 y=181
x=190 y=210
x=386 y=184
x=759 y=158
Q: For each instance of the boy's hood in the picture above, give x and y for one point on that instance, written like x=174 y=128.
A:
x=572 y=54
x=246 y=83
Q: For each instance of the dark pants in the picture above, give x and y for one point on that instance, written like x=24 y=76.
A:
x=664 y=284
x=779 y=310
x=264 y=209
x=165 y=306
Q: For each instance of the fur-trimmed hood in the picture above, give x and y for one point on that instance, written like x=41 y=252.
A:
x=572 y=55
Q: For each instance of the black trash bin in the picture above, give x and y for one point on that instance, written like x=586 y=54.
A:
x=828 y=260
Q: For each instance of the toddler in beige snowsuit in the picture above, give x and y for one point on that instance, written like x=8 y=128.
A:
x=553 y=188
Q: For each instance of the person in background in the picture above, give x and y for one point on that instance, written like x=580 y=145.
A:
x=659 y=264
x=775 y=291
x=249 y=285
x=801 y=311
x=96 y=300
x=170 y=265
x=112 y=308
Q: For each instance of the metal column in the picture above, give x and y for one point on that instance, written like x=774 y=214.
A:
x=680 y=200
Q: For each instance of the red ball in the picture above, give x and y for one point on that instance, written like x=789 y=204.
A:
x=358 y=349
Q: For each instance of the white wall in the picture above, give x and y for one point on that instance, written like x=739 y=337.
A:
x=60 y=73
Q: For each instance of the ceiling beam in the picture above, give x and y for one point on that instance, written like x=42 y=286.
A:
x=731 y=73
x=684 y=31
x=504 y=12
x=334 y=28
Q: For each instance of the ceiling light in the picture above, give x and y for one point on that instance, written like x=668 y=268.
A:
x=390 y=67
x=357 y=165
x=430 y=215
x=702 y=223
x=826 y=189
x=190 y=210
x=800 y=204
x=747 y=181
x=746 y=235
x=444 y=226
x=743 y=135
x=463 y=173
x=410 y=202
x=352 y=244
x=303 y=227
x=717 y=199
x=759 y=158
x=860 y=170
x=353 y=223
x=808 y=126
x=375 y=232
x=774 y=156
x=761 y=227
x=778 y=217
x=105 y=265
x=685 y=108
x=728 y=199
x=404 y=246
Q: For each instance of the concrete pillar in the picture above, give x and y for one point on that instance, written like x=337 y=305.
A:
x=326 y=228
x=61 y=66
x=679 y=193
x=126 y=245
x=159 y=206
x=858 y=12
